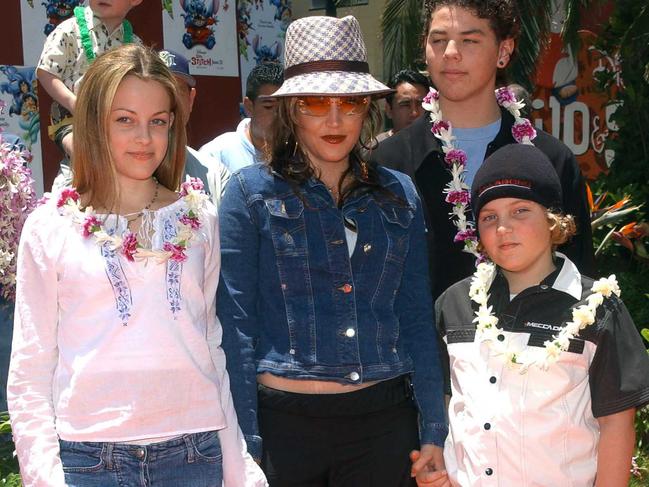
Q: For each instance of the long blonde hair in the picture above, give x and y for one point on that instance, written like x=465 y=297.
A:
x=94 y=167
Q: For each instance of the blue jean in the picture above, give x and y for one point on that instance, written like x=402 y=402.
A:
x=192 y=460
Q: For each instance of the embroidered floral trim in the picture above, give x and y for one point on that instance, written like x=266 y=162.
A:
x=457 y=191
x=119 y=283
x=175 y=249
x=174 y=265
x=487 y=330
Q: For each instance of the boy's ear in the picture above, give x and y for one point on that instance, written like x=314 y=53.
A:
x=247 y=106
x=135 y=3
x=505 y=51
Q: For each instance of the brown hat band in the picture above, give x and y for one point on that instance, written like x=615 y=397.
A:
x=317 y=66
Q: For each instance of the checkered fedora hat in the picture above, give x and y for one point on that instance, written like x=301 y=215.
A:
x=327 y=56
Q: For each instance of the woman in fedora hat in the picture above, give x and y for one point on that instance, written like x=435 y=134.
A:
x=325 y=300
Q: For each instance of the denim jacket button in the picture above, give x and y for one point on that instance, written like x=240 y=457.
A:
x=354 y=376
x=139 y=453
x=350 y=332
x=337 y=242
x=346 y=288
x=292 y=351
x=367 y=247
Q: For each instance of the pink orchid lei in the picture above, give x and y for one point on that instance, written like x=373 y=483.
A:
x=457 y=191
x=191 y=192
x=17 y=200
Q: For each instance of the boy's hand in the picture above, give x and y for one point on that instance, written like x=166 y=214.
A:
x=428 y=467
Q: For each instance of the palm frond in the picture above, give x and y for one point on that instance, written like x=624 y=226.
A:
x=401 y=25
x=535 y=27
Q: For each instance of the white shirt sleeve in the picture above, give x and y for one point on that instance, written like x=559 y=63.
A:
x=34 y=353
x=239 y=468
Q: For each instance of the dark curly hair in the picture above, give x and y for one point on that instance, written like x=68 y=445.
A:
x=503 y=15
x=286 y=157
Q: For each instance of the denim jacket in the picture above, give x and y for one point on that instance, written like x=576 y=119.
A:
x=292 y=302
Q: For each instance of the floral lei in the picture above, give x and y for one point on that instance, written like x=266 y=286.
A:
x=128 y=245
x=487 y=329
x=457 y=191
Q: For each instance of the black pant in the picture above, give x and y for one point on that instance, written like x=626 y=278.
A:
x=357 y=439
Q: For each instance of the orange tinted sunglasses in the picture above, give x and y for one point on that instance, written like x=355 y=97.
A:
x=318 y=106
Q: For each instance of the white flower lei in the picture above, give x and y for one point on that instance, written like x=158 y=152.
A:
x=191 y=193
x=457 y=191
x=487 y=329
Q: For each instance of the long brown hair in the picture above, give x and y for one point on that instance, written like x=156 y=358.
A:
x=94 y=167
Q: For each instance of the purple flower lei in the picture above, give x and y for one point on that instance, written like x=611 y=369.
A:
x=457 y=191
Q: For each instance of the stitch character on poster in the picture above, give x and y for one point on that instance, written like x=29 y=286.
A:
x=204 y=31
x=244 y=25
x=57 y=11
x=264 y=53
x=282 y=12
x=19 y=112
x=261 y=27
x=21 y=85
x=200 y=20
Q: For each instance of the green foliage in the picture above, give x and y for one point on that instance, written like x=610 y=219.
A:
x=402 y=24
x=9 y=476
x=626 y=37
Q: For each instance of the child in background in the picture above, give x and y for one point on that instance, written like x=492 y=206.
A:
x=117 y=376
x=68 y=52
x=546 y=365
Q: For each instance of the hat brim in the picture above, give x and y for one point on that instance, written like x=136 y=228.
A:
x=187 y=78
x=332 y=83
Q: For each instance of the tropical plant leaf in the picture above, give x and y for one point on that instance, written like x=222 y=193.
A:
x=401 y=25
x=535 y=29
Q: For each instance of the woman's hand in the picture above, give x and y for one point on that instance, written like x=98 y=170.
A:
x=428 y=467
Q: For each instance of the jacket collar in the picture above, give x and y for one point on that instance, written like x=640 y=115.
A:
x=423 y=142
x=565 y=278
x=569 y=278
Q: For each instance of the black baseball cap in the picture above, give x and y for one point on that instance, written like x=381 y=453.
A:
x=178 y=65
x=516 y=171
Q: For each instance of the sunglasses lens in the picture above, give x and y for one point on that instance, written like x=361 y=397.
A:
x=318 y=106
x=352 y=105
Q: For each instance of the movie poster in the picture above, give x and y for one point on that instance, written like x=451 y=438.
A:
x=568 y=104
x=261 y=27
x=39 y=18
x=19 y=113
x=204 y=31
